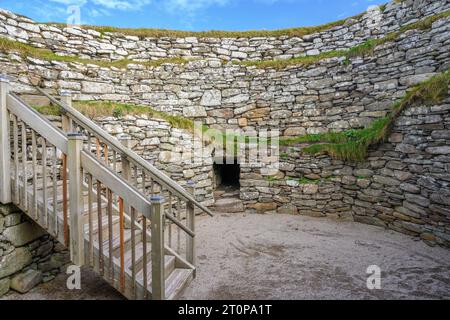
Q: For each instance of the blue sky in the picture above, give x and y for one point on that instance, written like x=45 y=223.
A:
x=194 y=15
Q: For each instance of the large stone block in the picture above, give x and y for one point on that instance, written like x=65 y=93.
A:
x=15 y=261
x=23 y=233
x=24 y=282
x=211 y=98
x=96 y=87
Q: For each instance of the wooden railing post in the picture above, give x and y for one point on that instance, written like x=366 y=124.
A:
x=158 y=252
x=126 y=171
x=5 y=152
x=75 y=147
x=67 y=124
x=190 y=221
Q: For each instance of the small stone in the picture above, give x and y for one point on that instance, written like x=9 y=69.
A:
x=438 y=150
x=211 y=98
x=242 y=122
x=24 y=282
x=310 y=188
x=4 y=286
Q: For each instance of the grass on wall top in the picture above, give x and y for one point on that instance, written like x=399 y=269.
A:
x=353 y=145
x=96 y=109
x=25 y=50
x=159 y=33
x=366 y=48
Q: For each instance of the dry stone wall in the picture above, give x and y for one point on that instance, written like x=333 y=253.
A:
x=167 y=148
x=28 y=256
x=87 y=43
x=404 y=185
x=326 y=96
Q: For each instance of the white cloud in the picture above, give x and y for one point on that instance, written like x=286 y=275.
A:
x=192 y=5
x=124 y=5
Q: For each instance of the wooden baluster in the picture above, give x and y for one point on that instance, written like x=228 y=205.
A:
x=110 y=234
x=126 y=169
x=24 y=167
x=76 y=205
x=178 y=216
x=170 y=224
x=90 y=223
x=106 y=154
x=65 y=200
x=97 y=148
x=89 y=142
x=158 y=252
x=67 y=123
x=44 y=181
x=16 y=160
x=133 y=251
x=122 y=245
x=100 y=228
x=144 y=256
x=135 y=181
x=5 y=147
x=114 y=167
x=34 y=165
x=114 y=155
x=55 y=189
x=143 y=182
x=190 y=223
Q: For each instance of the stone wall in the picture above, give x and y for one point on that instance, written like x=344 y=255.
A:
x=167 y=148
x=404 y=185
x=91 y=44
x=28 y=256
x=327 y=95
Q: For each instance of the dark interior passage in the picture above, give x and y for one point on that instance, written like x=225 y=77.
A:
x=227 y=174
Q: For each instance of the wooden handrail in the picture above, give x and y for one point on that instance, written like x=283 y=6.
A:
x=156 y=174
x=115 y=183
x=44 y=127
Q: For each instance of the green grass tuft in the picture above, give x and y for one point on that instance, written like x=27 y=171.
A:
x=159 y=33
x=24 y=50
x=366 y=48
x=95 y=109
x=353 y=145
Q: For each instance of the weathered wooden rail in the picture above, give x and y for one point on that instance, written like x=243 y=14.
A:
x=112 y=209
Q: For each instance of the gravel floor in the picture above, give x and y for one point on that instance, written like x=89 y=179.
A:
x=293 y=257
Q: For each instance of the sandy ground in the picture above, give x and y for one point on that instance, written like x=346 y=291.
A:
x=292 y=257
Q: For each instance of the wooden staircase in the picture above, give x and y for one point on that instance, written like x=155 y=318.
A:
x=114 y=211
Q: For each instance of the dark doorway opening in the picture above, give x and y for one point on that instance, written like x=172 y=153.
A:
x=227 y=174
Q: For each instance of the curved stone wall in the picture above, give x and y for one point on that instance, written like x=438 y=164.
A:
x=327 y=95
x=88 y=43
x=403 y=185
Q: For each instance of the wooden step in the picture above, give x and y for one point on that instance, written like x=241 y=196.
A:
x=177 y=281
x=169 y=266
